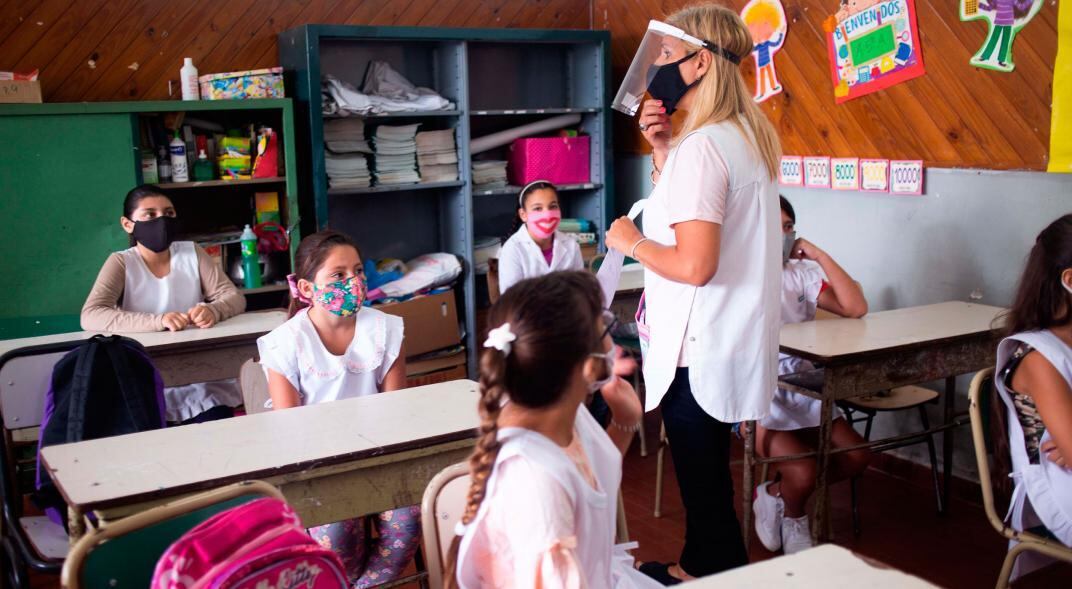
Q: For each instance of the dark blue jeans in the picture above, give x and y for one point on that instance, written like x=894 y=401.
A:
x=700 y=446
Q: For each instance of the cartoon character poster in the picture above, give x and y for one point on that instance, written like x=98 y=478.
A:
x=1006 y=18
x=873 y=45
x=767 y=23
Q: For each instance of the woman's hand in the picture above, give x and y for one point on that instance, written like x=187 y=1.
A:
x=201 y=316
x=655 y=126
x=805 y=250
x=175 y=321
x=1053 y=453
x=623 y=235
x=619 y=394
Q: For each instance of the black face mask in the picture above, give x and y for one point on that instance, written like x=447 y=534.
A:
x=667 y=85
x=156 y=234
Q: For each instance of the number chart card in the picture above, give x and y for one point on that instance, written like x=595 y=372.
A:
x=817 y=172
x=845 y=173
x=906 y=177
x=792 y=171
x=875 y=175
x=873 y=45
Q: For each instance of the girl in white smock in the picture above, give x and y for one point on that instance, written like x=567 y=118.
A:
x=537 y=247
x=541 y=509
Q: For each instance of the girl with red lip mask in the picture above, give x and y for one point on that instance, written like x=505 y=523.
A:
x=537 y=247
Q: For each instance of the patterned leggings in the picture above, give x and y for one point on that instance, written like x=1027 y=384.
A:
x=370 y=562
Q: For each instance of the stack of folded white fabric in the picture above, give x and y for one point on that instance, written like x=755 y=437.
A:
x=437 y=156
x=395 y=149
x=345 y=160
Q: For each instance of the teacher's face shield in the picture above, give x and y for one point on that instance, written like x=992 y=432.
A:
x=662 y=45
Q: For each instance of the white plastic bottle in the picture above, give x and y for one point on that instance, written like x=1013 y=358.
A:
x=188 y=80
x=179 y=168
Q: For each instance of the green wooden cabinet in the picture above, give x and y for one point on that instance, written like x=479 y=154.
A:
x=64 y=170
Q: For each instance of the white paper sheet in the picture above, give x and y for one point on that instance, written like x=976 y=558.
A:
x=610 y=272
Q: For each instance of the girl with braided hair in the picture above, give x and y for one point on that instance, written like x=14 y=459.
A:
x=542 y=504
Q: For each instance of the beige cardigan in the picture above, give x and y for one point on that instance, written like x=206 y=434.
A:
x=102 y=311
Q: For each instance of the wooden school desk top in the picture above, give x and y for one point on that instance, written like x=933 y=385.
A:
x=827 y=566
x=887 y=331
x=241 y=327
x=98 y=474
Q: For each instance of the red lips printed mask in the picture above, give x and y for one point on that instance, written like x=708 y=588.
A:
x=542 y=224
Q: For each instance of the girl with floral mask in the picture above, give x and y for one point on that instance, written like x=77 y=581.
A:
x=544 y=475
x=536 y=246
x=333 y=348
x=160 y=283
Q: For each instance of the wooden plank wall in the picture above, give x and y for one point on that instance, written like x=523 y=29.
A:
x=94 y=50
x=954 y=116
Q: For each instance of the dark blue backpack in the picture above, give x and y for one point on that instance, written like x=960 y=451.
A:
x=107 y=386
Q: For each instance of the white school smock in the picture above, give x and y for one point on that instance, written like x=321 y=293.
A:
x=802 y=281
x=295 y=351
x=178 y=292
x=521 y=258
x=726 y=331
x=1044 y=488
x=560 y=529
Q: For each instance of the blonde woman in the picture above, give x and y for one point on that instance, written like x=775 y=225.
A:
x=711 y=249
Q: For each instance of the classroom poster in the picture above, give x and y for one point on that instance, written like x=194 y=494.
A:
x=906 y=177
x=1005 y=18
x=792 y=170
x=817 y=172
x=766 y=22
x=873 y=45
x=845 y=173
x=1061 y=118
x=875 y=175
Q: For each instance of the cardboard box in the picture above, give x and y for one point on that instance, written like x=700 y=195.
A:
x=431 y=322
x=20 y=92
x=435 y=370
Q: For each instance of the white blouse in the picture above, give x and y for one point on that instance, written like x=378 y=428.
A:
x=726 y=331
x=295 y=351
x=521 y=258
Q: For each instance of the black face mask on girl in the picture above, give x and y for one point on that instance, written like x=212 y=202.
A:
x=668 y=86
x=156 y=234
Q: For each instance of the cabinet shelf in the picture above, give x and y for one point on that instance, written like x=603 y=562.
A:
x=398 y=115
x=395 y=188
x=532 y=111
x=513 y=190
x=214 y=183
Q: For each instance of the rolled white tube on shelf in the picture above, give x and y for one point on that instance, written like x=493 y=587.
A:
x=482 y=144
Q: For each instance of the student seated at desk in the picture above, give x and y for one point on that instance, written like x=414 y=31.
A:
x=792 y=425
x=161 y=284
x=333 y=348
x=1034 y=378
x=536 y=246
x=545 y=476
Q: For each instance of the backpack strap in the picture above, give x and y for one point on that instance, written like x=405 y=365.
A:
x=76 y=404
x=134 y=402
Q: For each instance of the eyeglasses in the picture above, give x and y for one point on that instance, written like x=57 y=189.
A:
x=610 y=321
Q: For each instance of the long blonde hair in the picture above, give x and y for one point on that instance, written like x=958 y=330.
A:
x=721 y=95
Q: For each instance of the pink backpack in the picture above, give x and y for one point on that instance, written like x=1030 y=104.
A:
x=260 y=544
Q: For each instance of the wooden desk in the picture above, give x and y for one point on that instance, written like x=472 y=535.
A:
x=332 y=461
x=876 y=353
x=823 y=567
x=188 y=356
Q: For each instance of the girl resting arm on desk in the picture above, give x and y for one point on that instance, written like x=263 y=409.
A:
x=811 y=279
x=161 y=284
x=334 y=348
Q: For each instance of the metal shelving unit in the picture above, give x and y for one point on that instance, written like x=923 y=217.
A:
x=498 y=79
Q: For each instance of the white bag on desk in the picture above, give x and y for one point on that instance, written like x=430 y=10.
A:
x=427 y=271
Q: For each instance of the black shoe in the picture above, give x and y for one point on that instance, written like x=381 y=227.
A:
x=660 y=572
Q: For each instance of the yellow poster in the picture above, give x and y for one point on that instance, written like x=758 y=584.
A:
x=1061 y=120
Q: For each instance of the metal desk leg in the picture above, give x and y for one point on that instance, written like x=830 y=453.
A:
x=76 y=524
x=747 y=482
x=947 y=441
x=820 y=532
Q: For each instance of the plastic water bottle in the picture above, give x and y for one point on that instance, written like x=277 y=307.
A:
x=188 y=79
x=251 y=268
x=179 y=169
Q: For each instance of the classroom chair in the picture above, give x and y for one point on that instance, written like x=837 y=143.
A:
x=987 y=414
x=124 y=553
x=896 y=399
x=254 y=385
x=26 y=541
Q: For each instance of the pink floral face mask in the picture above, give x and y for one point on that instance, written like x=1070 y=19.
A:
x=542 y=224
x=343 y=297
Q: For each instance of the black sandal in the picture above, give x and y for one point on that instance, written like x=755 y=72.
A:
x=660 y=572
